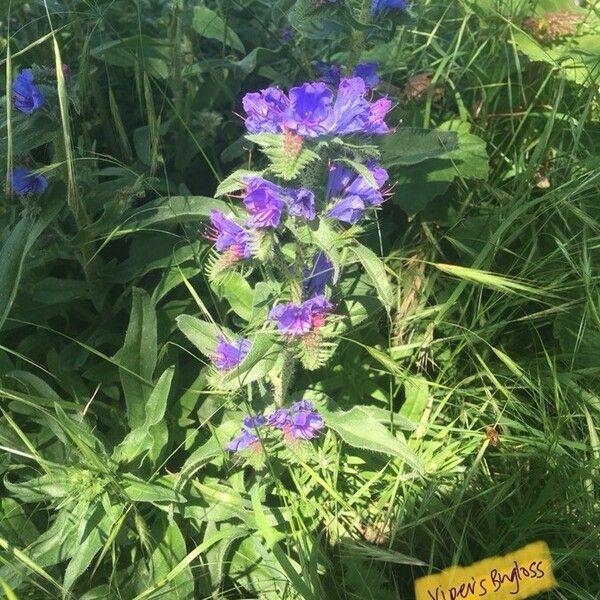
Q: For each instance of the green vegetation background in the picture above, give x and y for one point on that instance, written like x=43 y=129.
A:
x=491 y=247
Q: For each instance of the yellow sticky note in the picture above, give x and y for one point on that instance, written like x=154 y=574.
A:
x=514 y=576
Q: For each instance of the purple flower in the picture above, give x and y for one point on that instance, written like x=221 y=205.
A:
x=351 y=111
x=379 y=5
x=302 y=421
x=229 y=355
x=25 y=182
x=328 y=73
x=319 y=276
x=306 y=424
x=355 y=193
x=367 y=71
x=310 y=109
x=280 y=418
x=263 y=201
x=299 y=319
x=303 y=405
x=301 y=203
x=376 y=123
x=286 y=35
x=229 y=236
x=265 y=110
x=243 y=441
x=254 y=422
x=292 y=319
x=349 y=210
x=26 y=95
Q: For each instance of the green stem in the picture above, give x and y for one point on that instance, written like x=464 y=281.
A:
x=358 y=37
x=286 y=377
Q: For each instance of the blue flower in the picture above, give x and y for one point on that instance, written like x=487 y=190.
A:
x=378 y=111
x=280 y=418
x=319 y=276
x=367 y=71
x=349 y=210
x=302 y=421
x=286 y=35
x=310 y=111
x=229 y=355
x=351 y=111
x=353 y=192
x=306 y=424
x=298 y=319
x=310 y=108
x=263 y=201
x=329 y=73
x=379 y=5
x=254 y=422
x=248 y=437
x=243 y=441
x=26 y=95
x=265 y=110
x=229 y=236
x=25 y=182
x=301 y=203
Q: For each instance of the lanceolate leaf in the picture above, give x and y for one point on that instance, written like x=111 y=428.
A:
x=141 y=439
x=359 y=428
x=209 y=24
x=375 y=268
x=410 y=145
x=138 y=354
x=15 y=248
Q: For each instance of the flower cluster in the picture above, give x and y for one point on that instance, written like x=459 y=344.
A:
x=300 y=422
x=266 y=201
x=352 y=194
x=299 y=319
x=311 y=110
x=228 y=355
x=27 y=98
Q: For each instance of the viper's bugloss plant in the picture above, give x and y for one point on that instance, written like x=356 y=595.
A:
x=24 y=182
x=290 y=231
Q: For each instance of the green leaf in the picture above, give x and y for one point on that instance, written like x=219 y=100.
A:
x=215 y=446
x=94 y=530
x=375 y=269
x=201 y=333
x=141 y=439
x=420 y=183
x=139 y=355
x=154 y=55
x=169 y=552
x=359 y=428
x=176 y=209
x=208 y=24
x=15 y=248
x=237 y=291
x=314 y=22
x=416 y=392
x=285 y=163
x=160 y=490
x=12 y=256
x=410 y=145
